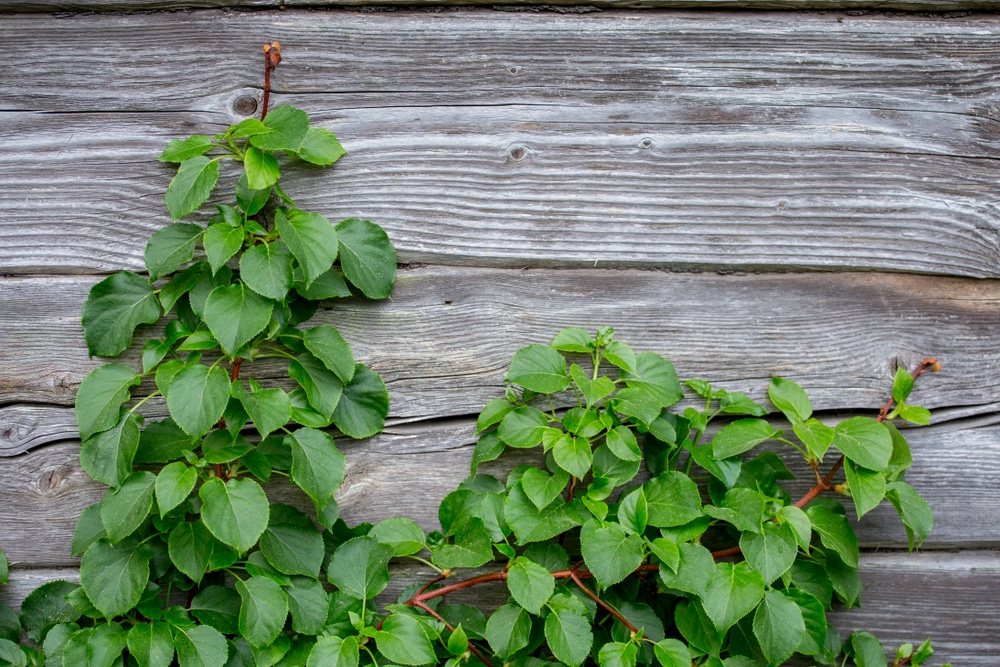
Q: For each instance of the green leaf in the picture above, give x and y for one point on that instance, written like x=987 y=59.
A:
x=633 y=512
x=790 y=399
x=867 y=487
x=622 y=443
x=321 y=147
x=812 y=577
x=327 y=345
x=221 y=242
x=194 y=550
x=573 y=454
x=200 y=646
x=868 y=650
x=533 y=525
x=101 y=396
x=261 y=169
x=493 y=413
x=917 y=415
x=236 y=512
x=153 y=353
x=814 y=617
x=772 y=551
x=672 y=653
x=530 y=584
x=473 y=547
x=197 y=398
x=367 y=257
x=89 y=528
x=291 y=543
x=657 y=376
x=573 y=339
x=264 y=610
x=735 y=590
x=179 y=285
x=322 y=386
x=735 y=403
x=124 y=509
x=542 y=488
x=815 y=435
x=403 y=535
x=328 y=285
x=333 y=651
x=799 y=523
x=402 y=640
x=107 y=456
x=508 y=630
x=835 y=533
x=247 y=127
x=360 y=567
x=219 y=607
x=741 y=436
x=113 y=310
x=270 y=409
x=163 y=441
x=538 y=368
x=913 y=510
x=593 y=390
x=523 y=427
x=609 y=552
x=569 y=636
x=248 y=199
x=194 y=182
x=45 y=607
x=266 y=268
x=637 y=403
x=694 y=571
x=288 y=127
x=864 y=441
x=114 y=575
x=178 y=150
x=363 y=406
x=458 y=641
x=151 y=644
x=4 y=573
x=317 y=465
x=308 y=605
x=100 y=646
x=170 y=247
x=621 y=355
x=778 y=626
x=672 y=499
x=311 y=239
x=902 y=385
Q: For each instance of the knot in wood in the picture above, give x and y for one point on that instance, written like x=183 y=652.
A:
x=245 y=105
x=517 y=153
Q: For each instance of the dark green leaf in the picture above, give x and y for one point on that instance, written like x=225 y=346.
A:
x=609 y=552
x=194 y=182
x=266 y=268
x=327 y=345
x=790 y=399
x=320 y=146
x=197 y=398
x=772 y=551
x=261 y=169
x=360 y=567
x=835 y=533
x=114 y=575
x=170 y=247
x=219 y=607
x=270 y=409
x=151 y=644
x=291 y=543
x=814 y=617
x=163 y=441
x=530 y=584
x=778 y=626
x=317 y=465
x=633 y=512
x=867 y=487
x=403 y=535
x=333 y=651
x=508 y=630
x=572 y=454
x=473 y=547
x=308 y=605
x=114 y=308
x=199 y=294
x=328 y=285
x=735 y=591
x=864 y=441
x=403 y=640
x=264 y=610
x=322 y=386
x=248 y=199
x=538 y=368
x=569 y=636
x=236 y=512
x=367 y=257
x=101 y=396
x=288 y=127
x=107 y=456
x=89 y=528
x=45 y=607
x=657 y=376
x=799 y=522
x=178 y=150
x=694 y=571
x=812 y=577
x=4 y=573
x=125 y=508
x=200 y=646
x=364 y=404
x=672 y=499
x=914 y=511
x=741 y=436
x=194 y=550
x=152 y=354
x=221 y=242
x=868 y=650
x=672 y=653
x=311 y=239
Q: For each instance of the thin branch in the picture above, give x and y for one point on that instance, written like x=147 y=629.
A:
x=272 y=56
x=593 y=596
x=472 y=647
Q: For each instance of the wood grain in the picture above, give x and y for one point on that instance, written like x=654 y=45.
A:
x=680 y=140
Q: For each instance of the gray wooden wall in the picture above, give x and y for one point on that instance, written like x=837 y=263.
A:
x=810 y=194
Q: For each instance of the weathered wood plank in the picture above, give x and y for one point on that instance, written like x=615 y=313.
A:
x=444 y=341
x=43 y=492
x=624 y=140
x=948 y=597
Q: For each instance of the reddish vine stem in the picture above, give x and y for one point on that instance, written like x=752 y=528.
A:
x=448 y=625
x=272 y=56
x=604 y=605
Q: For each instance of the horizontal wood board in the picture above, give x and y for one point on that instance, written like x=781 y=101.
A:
x=948 y=597
x=692 y=140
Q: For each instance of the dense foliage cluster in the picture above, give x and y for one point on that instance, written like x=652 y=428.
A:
x=644 y=533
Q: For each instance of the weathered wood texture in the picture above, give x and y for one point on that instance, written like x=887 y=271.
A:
x=676 y=139
x=949 y=597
